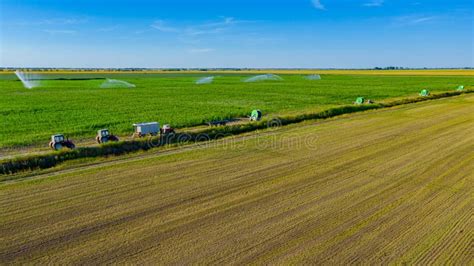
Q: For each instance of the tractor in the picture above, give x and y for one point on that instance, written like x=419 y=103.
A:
x=167 y=130
x=58 y=142
x=104 y=136
x=256 y=115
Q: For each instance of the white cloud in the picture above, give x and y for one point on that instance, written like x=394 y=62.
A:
x=200 y=50
x=197 y=31
x=108 y=29
x=317 y=4
x=223 y=22
x=208 y=28
x=161 y=26
x=413 y=20
x=53 y=32
x=423 y=19
x=211 y=27
x=50 y=22
x=374 y=3
x=63 y=21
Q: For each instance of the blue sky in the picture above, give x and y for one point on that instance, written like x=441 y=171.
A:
x=231 y=33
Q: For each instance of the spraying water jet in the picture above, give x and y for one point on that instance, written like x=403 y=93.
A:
x=29 y=80
x=206 y=80
x=313 y=77
x=263 y=78
x=115 y=83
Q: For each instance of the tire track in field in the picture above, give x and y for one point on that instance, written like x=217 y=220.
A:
x=405 y=207
x=451 y=238
x=89 y=230
x=303 y=245
x=252 y=183
x=86 y=230
x=70 y=235
x=403 y=223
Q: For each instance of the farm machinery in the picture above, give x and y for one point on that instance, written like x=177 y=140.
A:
x=425 y=93
x=58 y=142
x=256 y=115
x=146 y=129
x=361 y=100
x=104 y=136
x=151 y=129
x=167 y=130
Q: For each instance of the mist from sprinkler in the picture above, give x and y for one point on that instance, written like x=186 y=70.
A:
x=115 y=83
x=29 y=80
x=206 y=80
x=263 y=78
x=313 y=77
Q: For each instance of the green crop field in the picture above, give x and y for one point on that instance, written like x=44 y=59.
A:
x=78 y=108
x=392 y=186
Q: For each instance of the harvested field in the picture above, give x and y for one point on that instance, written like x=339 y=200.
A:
x=393 y=185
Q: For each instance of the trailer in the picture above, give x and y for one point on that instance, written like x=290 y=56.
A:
x=146 y=129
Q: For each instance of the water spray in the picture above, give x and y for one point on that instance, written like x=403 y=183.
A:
x=29 y=81
x=115 y=83
x=206 y=80
x=263 y=78
x=313 y=77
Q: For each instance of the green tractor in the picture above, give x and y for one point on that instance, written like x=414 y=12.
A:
x=360 y=100
x=460 y=88
x=425 y=93
x=256 y=115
